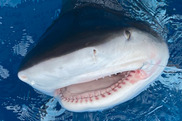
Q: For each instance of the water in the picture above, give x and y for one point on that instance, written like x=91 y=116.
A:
x=22 y=22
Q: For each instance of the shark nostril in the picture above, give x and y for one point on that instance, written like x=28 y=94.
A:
x=127 y=34
x=94 y=54
x=94 y=51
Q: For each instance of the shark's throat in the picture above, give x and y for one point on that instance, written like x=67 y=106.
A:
x=94 y=90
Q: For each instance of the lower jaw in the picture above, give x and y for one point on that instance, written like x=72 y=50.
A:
x=101 y=95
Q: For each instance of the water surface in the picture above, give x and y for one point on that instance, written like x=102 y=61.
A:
x=22 y=22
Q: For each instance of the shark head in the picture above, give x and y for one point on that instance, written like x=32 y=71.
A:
x=101 y=69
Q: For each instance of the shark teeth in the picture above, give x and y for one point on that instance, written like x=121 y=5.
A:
x=97 y=94
x=109 y=75
x=129 y=77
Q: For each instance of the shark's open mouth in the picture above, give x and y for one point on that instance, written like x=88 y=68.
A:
x=100 y=88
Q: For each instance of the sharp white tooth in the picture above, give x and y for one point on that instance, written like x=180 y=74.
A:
x=96 y=93
x=90 y=95
x=119 y=81
x=116 y=84
x=102 y=91
x=108 y=89
x=78 y=96
x=112 y=87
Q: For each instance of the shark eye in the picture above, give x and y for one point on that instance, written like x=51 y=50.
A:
x=127 y=34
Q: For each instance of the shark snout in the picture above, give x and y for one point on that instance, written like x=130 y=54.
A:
x=22 y=76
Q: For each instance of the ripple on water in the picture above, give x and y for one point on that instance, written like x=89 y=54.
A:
x=22 y=47
x=4 y=73
x=172 y=78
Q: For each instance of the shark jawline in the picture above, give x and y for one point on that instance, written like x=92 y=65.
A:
x=99 y=89
x=117 y=81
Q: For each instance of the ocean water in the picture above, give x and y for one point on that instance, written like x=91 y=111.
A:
x=22 y=23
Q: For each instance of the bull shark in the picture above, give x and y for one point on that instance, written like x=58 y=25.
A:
x=95 y=67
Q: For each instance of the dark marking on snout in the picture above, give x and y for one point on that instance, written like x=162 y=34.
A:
x=94 y=51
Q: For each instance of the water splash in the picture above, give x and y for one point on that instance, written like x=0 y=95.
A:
x=4 y=73
x=57 y=13
x=0 y=20
x=26 y=108
x=50 y=112
x=11 y=3
x=23 y=112
x=153 y=13
x=22 y=47
x=172 y=78
x=111 y=4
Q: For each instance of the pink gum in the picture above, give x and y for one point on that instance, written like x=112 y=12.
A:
x=137 y=76
x=132 y=78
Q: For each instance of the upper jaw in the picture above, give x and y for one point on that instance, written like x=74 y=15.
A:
x=149 y=66
x=86 y=77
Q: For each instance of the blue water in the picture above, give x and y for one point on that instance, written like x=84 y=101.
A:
x=22 y=22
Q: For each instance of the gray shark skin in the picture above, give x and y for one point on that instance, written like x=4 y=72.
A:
x=93 y=59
